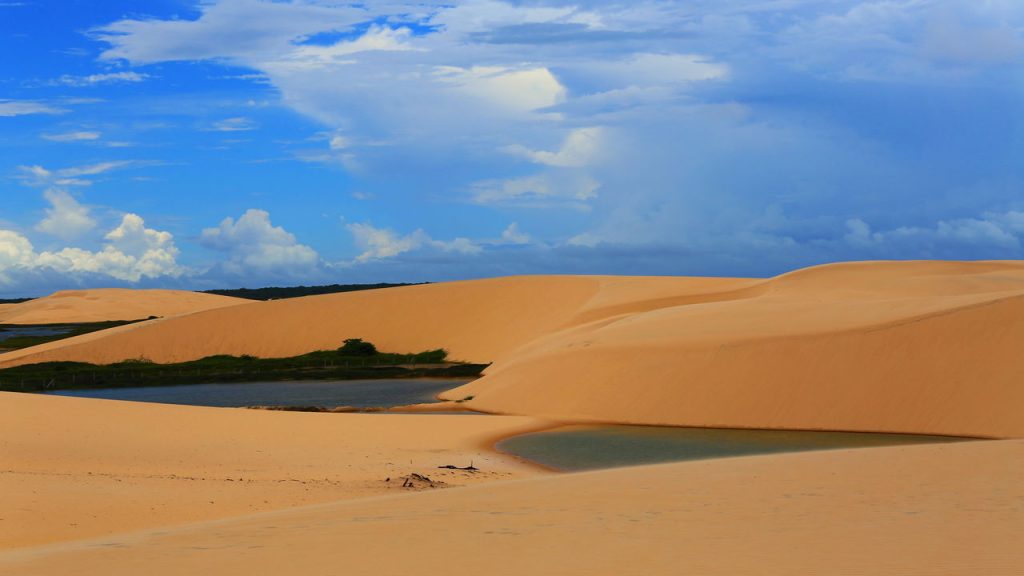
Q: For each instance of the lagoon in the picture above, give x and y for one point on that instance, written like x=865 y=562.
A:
x=578 y=448
x=326 y=393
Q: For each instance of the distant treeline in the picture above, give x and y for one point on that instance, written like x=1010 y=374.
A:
x=276 y=293
x=14 y=300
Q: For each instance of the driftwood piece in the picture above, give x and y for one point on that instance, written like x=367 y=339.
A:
x=471 y=468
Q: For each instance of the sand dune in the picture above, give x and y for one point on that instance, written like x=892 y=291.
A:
x=925 y=347
x=894 y=347
x=75 y=468
x=478 y=321
x=110 y=304
x=936 y=510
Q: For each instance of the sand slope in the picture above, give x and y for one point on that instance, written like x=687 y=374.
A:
x=110 y=304
x=896 y=347
x=926 y=347
x=477 y=321
x=74 y=468
x=949 y=509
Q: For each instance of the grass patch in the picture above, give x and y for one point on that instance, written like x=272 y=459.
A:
x=320 y=365
x=18 y=336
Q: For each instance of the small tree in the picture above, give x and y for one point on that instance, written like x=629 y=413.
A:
x=357 y=347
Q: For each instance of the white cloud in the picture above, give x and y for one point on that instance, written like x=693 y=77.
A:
x=512 y=235
x=517 y=90
x=107 y=78
x=379 y=243
x=9 y=108
x=80 y=136
x=994 y=230
x=651 y=69
x=254 y=244
x=585 y=239
x=15 y=250
x=39 y=176
x=578 y=149
x=65 y=218
x=339 y=142
x=540 y=190
x=384 y=243
x=237 y=124
x=232 y=29
x=377 y=38
x=131 y=253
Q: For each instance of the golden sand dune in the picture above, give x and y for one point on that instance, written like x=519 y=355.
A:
x=896 y=347
x=478 y=321
x=110 y=304
x=75 y=468
x=926 y=347
x=938 y=510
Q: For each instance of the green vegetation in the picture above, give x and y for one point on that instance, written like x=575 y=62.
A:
x=321 y=365
x=17 y=336
x=357 y=347
x=277 y=293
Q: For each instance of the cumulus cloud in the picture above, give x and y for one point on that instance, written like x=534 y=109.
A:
x=513 y=235
x=1002 y=231
x=579 y=149
x=710 y=114
x=65 y=218
x=255 y=246
x=379 y=243
x=377 y=38
x=131 y=253
x=516 y=90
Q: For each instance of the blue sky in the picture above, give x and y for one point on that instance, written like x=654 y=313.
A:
x=226 y=143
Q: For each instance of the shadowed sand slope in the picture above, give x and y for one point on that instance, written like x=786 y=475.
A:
x=110 y=304
x=74 y=468
x=948 y=509
x=924 y=347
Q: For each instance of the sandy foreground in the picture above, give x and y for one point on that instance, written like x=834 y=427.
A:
x=111 y=304
x=73 y=468
x=950 y=509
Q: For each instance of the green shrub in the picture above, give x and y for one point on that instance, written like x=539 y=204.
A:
x=357 y=347
x=431 y=356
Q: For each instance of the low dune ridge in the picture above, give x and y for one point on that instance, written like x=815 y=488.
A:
x=99 y=305
x=943 y=509
x=75 y=468
x=918 y=347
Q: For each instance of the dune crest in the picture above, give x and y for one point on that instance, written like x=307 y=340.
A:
x=99 y=305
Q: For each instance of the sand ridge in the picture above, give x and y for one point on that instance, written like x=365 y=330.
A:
x=98 y=305
x=945 y=509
